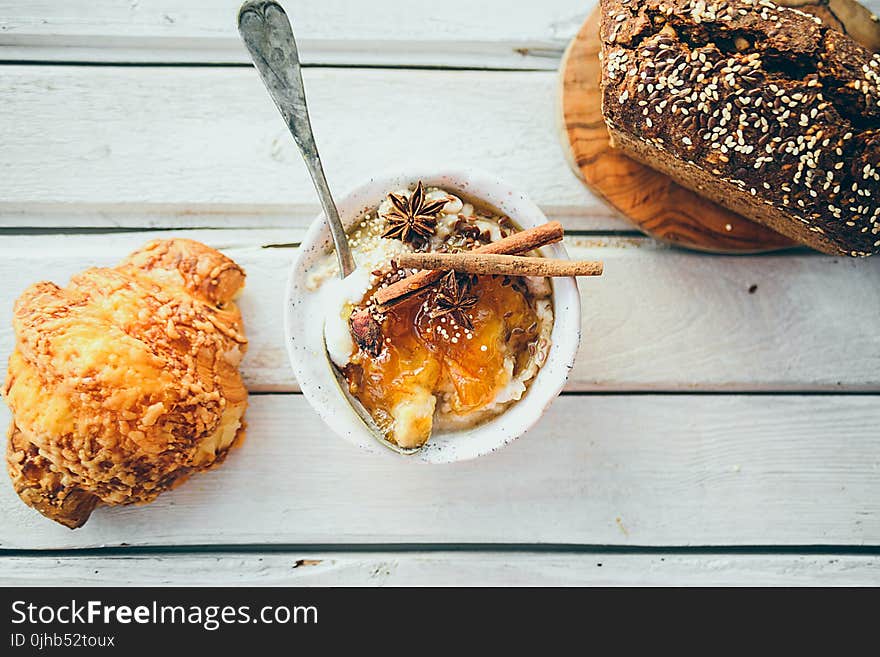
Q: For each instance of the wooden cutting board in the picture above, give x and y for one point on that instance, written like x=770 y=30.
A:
x=651 y=200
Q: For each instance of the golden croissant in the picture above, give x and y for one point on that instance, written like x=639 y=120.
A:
x=126 y=381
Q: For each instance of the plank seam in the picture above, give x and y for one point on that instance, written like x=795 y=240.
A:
x=404 y=548
x=389 y=67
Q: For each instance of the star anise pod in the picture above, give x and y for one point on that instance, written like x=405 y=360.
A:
x=453 y=298
x=412 y=219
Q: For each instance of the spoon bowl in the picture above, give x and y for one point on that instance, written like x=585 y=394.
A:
x=362 y=412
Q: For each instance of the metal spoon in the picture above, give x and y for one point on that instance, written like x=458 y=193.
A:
x=265 y=30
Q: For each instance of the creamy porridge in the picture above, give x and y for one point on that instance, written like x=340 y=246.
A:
x=452 y=356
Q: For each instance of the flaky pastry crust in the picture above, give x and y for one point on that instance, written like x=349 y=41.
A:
x=126 y=381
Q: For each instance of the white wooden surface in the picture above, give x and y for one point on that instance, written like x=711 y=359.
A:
x=446 y=569
x=88 y=148
x=659 y=318
x=670 y=470
x=181 y=145
x=485 y=34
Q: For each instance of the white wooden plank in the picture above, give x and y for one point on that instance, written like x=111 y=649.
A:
x=444 y=569
x=65 y=217
x=660 y=470
x=145 y=147
x=491 y=33
x=659 y=319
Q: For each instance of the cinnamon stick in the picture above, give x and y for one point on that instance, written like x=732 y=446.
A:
x=521 y=242
x=497 y=264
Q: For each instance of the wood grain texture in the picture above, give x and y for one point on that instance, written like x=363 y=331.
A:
x=161 y=147
x=811 y=312
x=651 y=200
x=444 y=569
x=665 y=470
x=805 y=326
x=656 y=204
x=492 y=33
x=189 y=147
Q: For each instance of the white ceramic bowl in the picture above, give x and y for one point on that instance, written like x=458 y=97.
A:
x=303 y=323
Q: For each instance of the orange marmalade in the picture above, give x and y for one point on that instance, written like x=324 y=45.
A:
x=452 y=357
x=426 y=361
x=456 y=355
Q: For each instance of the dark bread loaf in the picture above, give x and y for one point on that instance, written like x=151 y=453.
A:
x=761 y=108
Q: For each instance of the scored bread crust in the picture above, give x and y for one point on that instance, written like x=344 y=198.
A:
x=761 y=108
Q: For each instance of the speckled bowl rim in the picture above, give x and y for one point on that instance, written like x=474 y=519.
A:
x=303 y=329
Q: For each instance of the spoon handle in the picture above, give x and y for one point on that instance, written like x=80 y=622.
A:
x=265 y=30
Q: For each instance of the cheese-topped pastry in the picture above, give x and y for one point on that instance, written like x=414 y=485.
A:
x=125 y=381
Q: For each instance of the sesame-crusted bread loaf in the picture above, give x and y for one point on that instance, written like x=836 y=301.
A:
x=761 y=108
